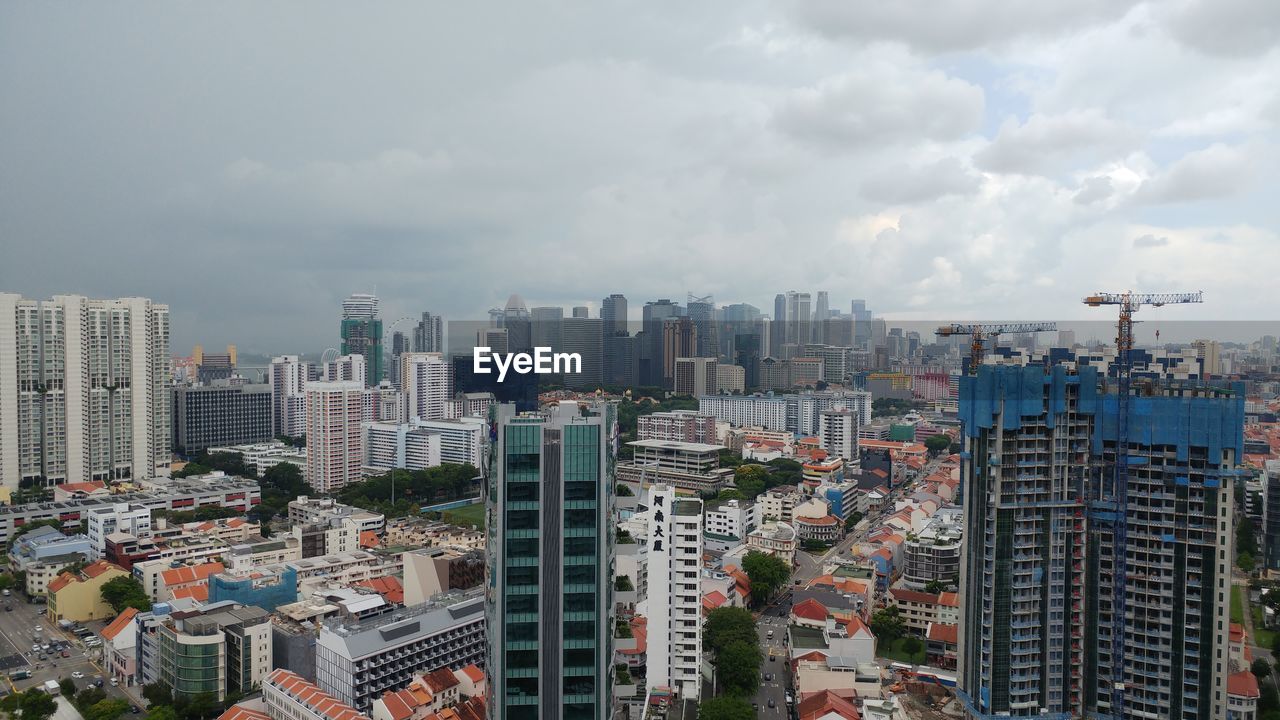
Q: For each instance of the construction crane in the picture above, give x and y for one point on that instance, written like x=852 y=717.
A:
x=1129 y=304
x=979 y=334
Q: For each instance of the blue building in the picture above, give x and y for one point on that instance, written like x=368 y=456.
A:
x=268 y=592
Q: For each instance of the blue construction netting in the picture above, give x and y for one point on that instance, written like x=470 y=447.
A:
x=1022 y=391
x=1213 y=423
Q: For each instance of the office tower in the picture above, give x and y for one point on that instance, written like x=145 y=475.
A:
x=674 y=596
x=702 y=312
x=798 y=318
x=582 y=335
x=650 y=357
x=546 y=327
x=778 y=334
x=428 y=334
x=84 y=390
x=821 y=313
x=496 y=339
x=1037 y=630
x=878 y=341
x=581 y=311
x=346 y=368
x=695 y=376
x=362 y=334
x=838 y=433
x=335 y=441
x=399 y=346
x=213 y=366
x=518 y=388
x=206 y=416
x=736 y=320
x=549 y=570
x=679 y=339
x=731 y=379
x=618 y=347
x=288 y=378
x=1270 y=535
x=427 y=385
x=613 y=315
x=1210 y=354
x=861 y=324
x=747 y=356
x=515 y=318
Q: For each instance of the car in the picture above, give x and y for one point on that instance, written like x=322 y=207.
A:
x=66 y=653
x=134 y=709
x=755 y=706
x=77 y=675
x=39 y=629
x=115 y=682
x=773 y=658
x=768 y=677
x=772 y=703
x=35 y=648
x=99 y=683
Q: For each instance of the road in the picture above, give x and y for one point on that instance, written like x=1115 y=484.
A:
x=18 y=633
x=774 y=663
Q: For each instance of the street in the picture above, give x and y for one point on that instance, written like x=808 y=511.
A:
x=774 y=661
x=18 y=633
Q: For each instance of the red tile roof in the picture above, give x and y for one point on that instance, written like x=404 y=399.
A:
x=96 y=569
x=824 y=703
x=943 y=632
x=388 y=586
x=471 y=709
x=190 y=573
x=1243 y=684
x=240 y=712
x=713 y=600
x=824 y=521
x=311 y=696
x=810 y=609
x=904 y=595
x=369 y=539
x=473 y=673
x=949 y=599
x=120 y=623
x=195 y=592
x=440 y=680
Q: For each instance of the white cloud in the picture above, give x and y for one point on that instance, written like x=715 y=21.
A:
x=1232 y=28
x=1150 y=241
x=1047 y=142
x=913 y=184
x=1216 y=171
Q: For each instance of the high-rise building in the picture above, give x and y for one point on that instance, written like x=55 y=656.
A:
x=335 y=439
x=549 y=575
x=613 y=315
x=695 y=376
x=428 y=334
x=679 y=340
x=399 y=346
x=546 y=327
x=821 y=314
x=650 y=356
x=798 y=319
x=582 y=336
x=206 y=416
x=581 y=311
x=84 y=390
x=289 y=377
x=515 y=319
x=1209 y=353
x=861 y=324
x=362 y=334
x=778 y=326
x=211 y=367
x=674 y=596
x=1038 y=631
x=618 y=346
x=426 y=381
x=702 y=311
x=494 y=338
x=838 y=433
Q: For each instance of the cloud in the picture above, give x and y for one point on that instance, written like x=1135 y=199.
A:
x=1216 y=171
x=1047 y=142
x=881 y=103
x=1231 y=28
x=914 y=184
x=1094 y=189
x=1150 y=241
x=948 y=26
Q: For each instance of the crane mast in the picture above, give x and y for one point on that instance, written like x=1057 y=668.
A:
x=979 y=333
x=1129 y=303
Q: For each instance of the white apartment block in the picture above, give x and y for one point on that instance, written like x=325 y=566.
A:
x=388 y=446
x=731 y=519
x=425 y=378
x=462 y=441
x=335 y=438
x=383 y=404
x=776 y=504
x=695 y=376
x=763 y=411
x=289 y=376
x=838 y=433
x=470 y=405
x=84 y=390
x=118 y=517
x=347 y=368
x=307 y=510
x=731 y=379
x=674 y=599
x=261 y=456
x=679 y=425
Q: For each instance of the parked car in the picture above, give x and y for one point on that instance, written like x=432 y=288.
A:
x=77 y=675
x=66 y=653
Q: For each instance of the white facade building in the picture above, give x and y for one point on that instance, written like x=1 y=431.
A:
x=731 y=378
x=84 y=390
x=462 y=441
x=348 y=368
x=425 y=380
x=399 y=445
x=674 y=602
x=118 y=517
x=730 y=522
x=335 y=438
x=763 y=411
x=289 y=375
x=838 y=433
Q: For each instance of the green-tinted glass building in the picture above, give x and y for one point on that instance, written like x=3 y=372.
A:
x=549 y=584
x=362 y=334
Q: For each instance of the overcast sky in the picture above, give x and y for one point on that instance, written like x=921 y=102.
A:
x=253 y=163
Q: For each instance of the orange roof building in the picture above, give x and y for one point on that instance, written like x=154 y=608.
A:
x=289 y=695
x=79 y=597
x=240 y=712
x=388 y=586
x=826 y=704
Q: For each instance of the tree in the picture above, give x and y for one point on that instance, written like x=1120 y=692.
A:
x=852 y=522
x=108 y=709
x=730 y=494
x=125 y=592
x=88 y=697
x=750 y=480
x=1268 y=698
x=726 y=625
x=933 y=587
x=161 y=712
x=37 y=705
x=193 y=468
x=1246 y=562
x=1260 y=668
x=68 y=688
x=204 y=706
x=7 y=581
x=738 y=667
x=157 y=693
x=937 y=444
x=912 y=645
x=886 y=624
x=726 y=707
x=767 y=574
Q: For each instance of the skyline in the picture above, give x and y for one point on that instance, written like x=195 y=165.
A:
x=248 y=170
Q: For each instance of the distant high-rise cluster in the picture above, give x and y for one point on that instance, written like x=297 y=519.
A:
x=361 y=331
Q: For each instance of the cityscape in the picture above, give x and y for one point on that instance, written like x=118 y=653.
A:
x=755 y=360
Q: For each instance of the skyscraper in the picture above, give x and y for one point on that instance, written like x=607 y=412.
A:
x=582 y=335
x=428 y=334
x=821 y=313
x=617 y=347
x=515 y=318
x=426 y=383
x=778 y=329
x=549 y=598
x=613 y=313
x=335 y=437
x=362 y=334
x=702 y=311
x=84 y=390
x=399 y=346
x=288 y=380
x=650 y=357
x=546 y=327
x=679 y=339
x=861 y=324
x=1037 y=631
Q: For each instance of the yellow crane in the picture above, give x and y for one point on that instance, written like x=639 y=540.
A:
x=980 y=332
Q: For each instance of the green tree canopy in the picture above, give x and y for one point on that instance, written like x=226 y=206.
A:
x=108 y=709
x=750 y=480
x=87 y=697
x=1260 y=668
x=886 y=624
x=738 y=667
x=767 y=574
x=37 y=705
x=937 y=444
x=726 y=707
x=161 y=712
x=157 y=694
x=726 y=625
x=125 y=592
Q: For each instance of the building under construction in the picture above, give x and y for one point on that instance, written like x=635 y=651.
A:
x=1048 y=610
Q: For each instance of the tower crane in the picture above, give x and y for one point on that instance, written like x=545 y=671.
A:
x=980 y=332
x=1129 y=303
